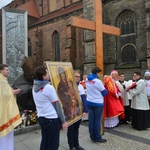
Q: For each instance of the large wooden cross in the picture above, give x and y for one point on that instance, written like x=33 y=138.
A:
x=99 y=29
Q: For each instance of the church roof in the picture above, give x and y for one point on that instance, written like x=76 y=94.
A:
x=31 y=8
x=67 y=10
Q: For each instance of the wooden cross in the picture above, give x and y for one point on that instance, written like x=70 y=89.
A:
x=99 y=29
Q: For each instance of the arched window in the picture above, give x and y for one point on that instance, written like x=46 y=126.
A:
x=126 y=43
x=56 y=45
x=122 y=28
x=127 y=26
x=129 y=54
x=132 y=27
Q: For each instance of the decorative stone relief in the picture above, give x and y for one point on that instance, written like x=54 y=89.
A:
x=14 y=40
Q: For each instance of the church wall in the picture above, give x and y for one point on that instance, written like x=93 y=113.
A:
x=0 y=37
x=74 y=1
x=0 y=49
x=39 y=7
x=89 y=38
x=110 y=47
x=16 y=3
x=45 y=7
x=54 y=5
x=62 y=26
x=47 y=32
x=147 y=5
x=67 y=2
x=83 y=52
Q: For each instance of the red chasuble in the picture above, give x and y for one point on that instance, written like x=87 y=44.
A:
x=113 y=105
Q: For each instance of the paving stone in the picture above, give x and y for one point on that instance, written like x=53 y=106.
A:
x=123 y=137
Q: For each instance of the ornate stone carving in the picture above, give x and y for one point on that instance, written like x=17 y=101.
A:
x=14 y=40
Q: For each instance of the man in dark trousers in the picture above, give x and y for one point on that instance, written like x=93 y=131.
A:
x=49 y=110
x=73 y=130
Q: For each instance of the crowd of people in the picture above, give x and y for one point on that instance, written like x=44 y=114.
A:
x=132 y=105
x=113 y=99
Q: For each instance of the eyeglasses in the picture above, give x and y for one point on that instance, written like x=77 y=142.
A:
x=77 y=76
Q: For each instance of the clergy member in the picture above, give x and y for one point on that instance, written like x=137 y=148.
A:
x=9 y=112
x=113 y=102
x=139 y=104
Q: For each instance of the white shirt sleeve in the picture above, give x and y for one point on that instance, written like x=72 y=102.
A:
x=99 y=85
x=139 y=88
x=81 y=89
x=50 y=91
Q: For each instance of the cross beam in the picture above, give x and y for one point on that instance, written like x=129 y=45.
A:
x=80 y=23
x=99 y=29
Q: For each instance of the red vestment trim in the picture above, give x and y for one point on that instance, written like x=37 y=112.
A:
x=11 y=121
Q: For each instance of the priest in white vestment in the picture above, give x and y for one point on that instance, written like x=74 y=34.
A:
x=9 y=113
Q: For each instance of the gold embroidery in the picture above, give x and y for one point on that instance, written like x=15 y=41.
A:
x=6 y=125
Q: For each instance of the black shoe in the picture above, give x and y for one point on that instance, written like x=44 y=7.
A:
x=101 y=140
x=79 y=148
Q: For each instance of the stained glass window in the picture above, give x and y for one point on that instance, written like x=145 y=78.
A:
x=127 y=48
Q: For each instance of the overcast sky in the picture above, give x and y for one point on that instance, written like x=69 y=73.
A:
x=4 y=3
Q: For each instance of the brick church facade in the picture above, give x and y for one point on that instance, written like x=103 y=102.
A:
x=51 y=36
x=131 y=51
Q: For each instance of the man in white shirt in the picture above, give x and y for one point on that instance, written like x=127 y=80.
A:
x=49 y=111
x=73 y=130
x=122 y=85
x=95 y=103
x=139 y=104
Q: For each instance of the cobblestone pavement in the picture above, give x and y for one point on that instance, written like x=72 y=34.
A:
x=123 y=137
